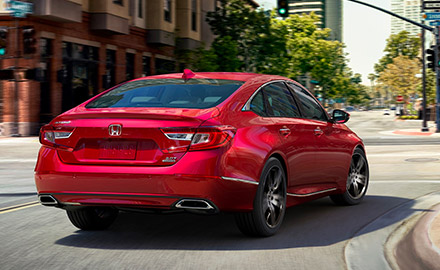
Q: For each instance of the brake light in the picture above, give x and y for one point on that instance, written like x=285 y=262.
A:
x=212 y=137
x=194 y=139
x=49 y=136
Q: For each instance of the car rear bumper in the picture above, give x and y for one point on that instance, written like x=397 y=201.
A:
x=194 y=177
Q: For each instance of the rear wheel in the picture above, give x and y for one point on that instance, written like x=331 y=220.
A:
x=269 y=203
x=357 y=181
x=92 y=218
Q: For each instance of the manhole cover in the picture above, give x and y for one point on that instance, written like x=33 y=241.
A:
x=421 y=159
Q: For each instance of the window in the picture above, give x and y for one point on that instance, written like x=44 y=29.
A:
x=257 y=104
x=118 y=2
x=45 y=81
x=140 y=8
x=109 y=77
x=129 y=66
x=163 y=66
x=279 y=101
x=168 y=93
x=146 y=66
x=194 y=15
x=310 y=107
x=167 y=10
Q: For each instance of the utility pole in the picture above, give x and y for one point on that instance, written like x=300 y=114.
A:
x=425 y=124
x=16 y=132
x=437 y=46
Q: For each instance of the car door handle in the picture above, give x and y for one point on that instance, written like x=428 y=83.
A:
x=285 y=131
x=318 y=131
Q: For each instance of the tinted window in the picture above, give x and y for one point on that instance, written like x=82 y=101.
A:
x=280 y=102
x=257 y=104
x=168 y=93
x=310 y=108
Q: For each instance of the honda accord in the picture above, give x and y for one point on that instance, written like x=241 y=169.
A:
x=246 y=143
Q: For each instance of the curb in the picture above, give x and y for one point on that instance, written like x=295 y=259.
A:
x=416 y=250
x=373 y=241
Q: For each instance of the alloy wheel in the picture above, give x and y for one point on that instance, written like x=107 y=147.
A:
x=274 y=197
x=357 y=177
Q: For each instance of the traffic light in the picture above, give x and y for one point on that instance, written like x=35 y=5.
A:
x=3 y=40
x=431 y=58
x=29 y=40
x=283 y=8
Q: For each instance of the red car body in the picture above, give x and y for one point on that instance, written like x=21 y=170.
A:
x=88 y=163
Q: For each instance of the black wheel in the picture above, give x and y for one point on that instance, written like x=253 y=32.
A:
x=92 y=218
x=269 y=203
x=357 y=181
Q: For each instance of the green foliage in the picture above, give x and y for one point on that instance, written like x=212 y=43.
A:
x=400 y=76
x=252 y=40
x=401 y=44
x=408 y=117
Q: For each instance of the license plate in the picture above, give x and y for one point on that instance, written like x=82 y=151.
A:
x=117 y=150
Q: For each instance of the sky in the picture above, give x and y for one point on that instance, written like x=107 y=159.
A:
x=365 y=33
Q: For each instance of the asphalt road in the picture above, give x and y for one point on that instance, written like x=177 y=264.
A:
x=315 y=235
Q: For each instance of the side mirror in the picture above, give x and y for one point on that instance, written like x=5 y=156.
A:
x=340 y=116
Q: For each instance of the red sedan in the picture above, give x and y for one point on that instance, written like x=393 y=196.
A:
x=247 y=143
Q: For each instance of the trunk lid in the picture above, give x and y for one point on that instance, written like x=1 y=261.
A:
x=125 y=136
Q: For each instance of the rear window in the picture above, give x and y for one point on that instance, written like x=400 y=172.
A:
x=168 y=93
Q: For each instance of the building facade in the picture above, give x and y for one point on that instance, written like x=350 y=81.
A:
x=329 y=11
x=410 y=9
x=85 y=46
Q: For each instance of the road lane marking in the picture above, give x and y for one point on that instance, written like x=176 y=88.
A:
x=18 y=207
x=405 y=181
x=17 y=160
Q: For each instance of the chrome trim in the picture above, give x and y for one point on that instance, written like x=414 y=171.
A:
x=72 y=203
x=239 y=180
x=54 y=201
x=310 y=194
x=178 y=139
x=247 y=105
x=61 y=137
x=208 y=205
x=115 y=130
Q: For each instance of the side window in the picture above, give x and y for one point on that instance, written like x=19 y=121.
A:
x=310 y=108
x=280 y=102
x=257 y=104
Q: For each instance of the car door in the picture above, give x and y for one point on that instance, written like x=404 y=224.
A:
x=331 y=148
x=293 y=139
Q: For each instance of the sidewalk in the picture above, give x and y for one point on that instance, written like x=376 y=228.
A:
x=417 y=132
x=420 y=248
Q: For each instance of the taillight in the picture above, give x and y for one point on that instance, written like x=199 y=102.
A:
x=194 y=139
x=49 y=136
x=212 y=137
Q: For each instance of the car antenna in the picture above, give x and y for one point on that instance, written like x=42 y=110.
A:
x=188 y=74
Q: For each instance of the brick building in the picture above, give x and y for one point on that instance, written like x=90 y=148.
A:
x=86 y=46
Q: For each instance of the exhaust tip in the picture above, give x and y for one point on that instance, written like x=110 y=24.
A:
x=194 y=204
x=47 y=200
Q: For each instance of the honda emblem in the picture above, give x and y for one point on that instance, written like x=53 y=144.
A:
x=115 y=130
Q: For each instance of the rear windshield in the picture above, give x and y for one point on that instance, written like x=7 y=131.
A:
x=168 y=93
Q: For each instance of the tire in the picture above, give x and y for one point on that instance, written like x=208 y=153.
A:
x=269 y=203
x=357 y=181
x=92 y=218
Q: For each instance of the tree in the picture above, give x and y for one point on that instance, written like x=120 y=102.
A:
x=400 y=76
x=398 y=44
x=256 y=41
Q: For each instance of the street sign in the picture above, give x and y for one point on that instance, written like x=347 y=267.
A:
x=18 y=9
x=431 y=5
x=399 y=98
x=431 y=16
x=434 y=23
